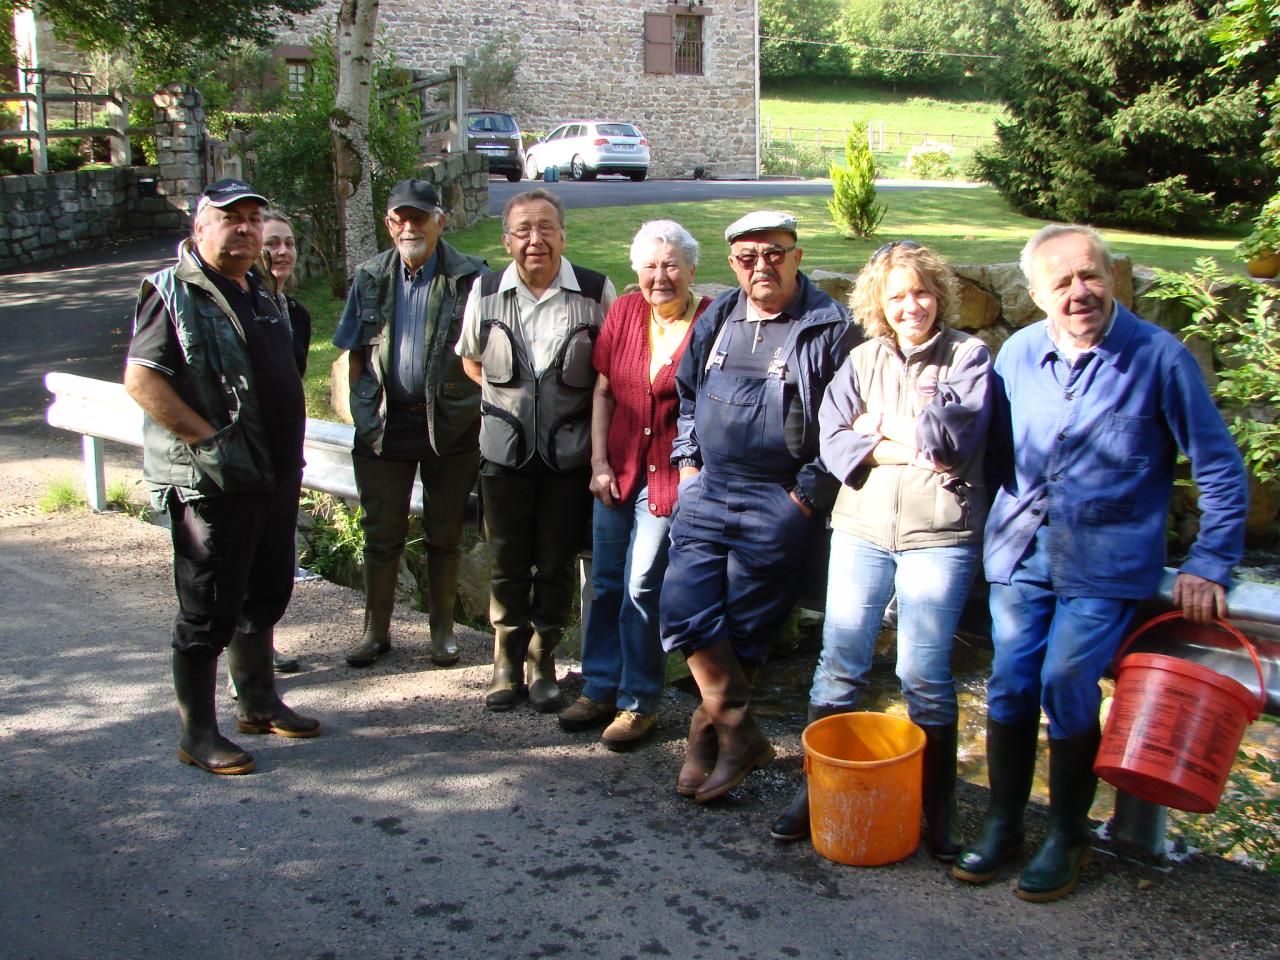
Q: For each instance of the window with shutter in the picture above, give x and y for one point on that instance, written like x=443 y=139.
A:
x=673 y=41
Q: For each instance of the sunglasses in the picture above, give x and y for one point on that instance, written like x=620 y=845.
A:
x=896 y=244
x=772 y=256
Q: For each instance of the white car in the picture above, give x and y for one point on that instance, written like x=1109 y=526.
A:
x=585 y=148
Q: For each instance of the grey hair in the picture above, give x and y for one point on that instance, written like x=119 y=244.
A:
x=1052 y=232
x=668 y=232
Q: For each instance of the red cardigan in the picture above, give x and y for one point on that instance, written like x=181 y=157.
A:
x=643 y=427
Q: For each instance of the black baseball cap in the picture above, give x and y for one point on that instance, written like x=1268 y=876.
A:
x=419 y=194
x=228 y=191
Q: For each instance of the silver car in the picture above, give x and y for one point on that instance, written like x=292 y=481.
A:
x=585 y=148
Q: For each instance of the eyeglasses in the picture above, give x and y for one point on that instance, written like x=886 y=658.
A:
x=770 y=255
x=396 y=223
x=898 y=244
x=527 y=230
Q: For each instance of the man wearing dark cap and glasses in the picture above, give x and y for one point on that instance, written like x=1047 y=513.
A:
x=212 y=366
x=415 y=412
x=753 y=490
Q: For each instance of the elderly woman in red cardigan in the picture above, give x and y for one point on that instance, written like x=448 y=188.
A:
x=633 y=425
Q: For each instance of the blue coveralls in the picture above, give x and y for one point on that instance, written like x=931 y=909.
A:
x=738 y=540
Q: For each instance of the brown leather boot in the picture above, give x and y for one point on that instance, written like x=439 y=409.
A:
x=701 y=748
x=741 y=747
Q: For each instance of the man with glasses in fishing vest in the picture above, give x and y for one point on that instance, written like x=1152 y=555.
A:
x=415 y=412
x=526 y=340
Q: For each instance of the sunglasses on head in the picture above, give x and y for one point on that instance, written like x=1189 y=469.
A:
x=898 y=244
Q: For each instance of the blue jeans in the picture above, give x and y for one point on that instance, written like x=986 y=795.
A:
x=932 y=584
x=622 y=658
x=1050 y=650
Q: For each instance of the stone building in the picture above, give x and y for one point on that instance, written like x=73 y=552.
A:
x=685 y=74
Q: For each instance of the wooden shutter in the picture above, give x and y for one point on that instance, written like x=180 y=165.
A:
x=659 y=43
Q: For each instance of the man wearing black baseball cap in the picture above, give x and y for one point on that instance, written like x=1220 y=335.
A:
x=212 y=366
x=415 y=412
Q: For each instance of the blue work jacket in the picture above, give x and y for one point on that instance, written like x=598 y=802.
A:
x=1093 y=446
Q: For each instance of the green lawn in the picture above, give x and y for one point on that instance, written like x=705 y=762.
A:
x=966 y=226
x=794 y=110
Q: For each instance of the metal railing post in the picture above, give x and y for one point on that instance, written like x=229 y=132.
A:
x=40 y=154
x=95 y=478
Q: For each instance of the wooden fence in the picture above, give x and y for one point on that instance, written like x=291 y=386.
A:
x=36 y=97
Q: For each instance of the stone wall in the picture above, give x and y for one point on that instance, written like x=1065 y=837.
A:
x=587 y=61
x=47 y=215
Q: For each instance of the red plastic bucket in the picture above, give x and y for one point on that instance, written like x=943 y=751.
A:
x=1175 y=726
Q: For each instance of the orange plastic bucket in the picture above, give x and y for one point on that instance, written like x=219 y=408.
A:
x=865 y=772
x=1175 y=726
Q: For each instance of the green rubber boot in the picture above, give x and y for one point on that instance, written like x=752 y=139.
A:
x=1011 y=765
x=1067 y=848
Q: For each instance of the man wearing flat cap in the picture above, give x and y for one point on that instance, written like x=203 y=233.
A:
x=753 y=490
x=212 y=366
x=415 y=412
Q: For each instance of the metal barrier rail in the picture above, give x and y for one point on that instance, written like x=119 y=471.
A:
x=99 y=410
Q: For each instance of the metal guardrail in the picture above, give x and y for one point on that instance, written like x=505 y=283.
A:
x=99 y=410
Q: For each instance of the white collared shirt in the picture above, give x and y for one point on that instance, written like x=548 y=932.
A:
x=544 y=320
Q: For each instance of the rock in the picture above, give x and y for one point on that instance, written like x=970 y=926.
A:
x=979 y=310
x=340 y=389
x=835 y=285
x=474 y=577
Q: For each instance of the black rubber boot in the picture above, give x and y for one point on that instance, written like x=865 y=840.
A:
x=284 y=664
x=195 y=682
x=942 y=835
x=507 y=688
x=793 y=823
x=540 y=668
x=380 y=578
x=1067 y=848
x=1011 y=766
x=259 y=708
x=442 y=590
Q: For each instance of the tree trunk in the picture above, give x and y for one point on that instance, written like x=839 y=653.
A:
x=353 y=181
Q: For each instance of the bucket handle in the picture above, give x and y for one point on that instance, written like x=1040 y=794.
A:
x=1244 y=642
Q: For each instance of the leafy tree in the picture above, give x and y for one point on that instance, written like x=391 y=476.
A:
x=853 y=187
x=491 y=72
x=166 y=35
x=1119 y=117
x=785 y=22
x=293 y=157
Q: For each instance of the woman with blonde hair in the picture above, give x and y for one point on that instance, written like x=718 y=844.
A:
x=903 y=427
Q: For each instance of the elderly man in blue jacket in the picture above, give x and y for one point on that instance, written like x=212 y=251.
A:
x=753 y=491
x=1092 y=406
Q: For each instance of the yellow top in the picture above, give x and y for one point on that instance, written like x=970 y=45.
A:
x=665 y=337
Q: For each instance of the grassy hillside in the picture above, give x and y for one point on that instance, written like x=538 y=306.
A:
x=794 y=110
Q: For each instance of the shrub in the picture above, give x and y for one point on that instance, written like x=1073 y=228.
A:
x=853 y=203
x=335 y=544
x=1246 y=826
x=786 y=158
x=1247 y=340
x=931 y=161
x=62 y=494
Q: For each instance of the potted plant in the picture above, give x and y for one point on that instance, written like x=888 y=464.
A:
x=1260 y=250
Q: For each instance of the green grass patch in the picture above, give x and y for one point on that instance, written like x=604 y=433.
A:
x=793 y=110
x=965 y=226
x=62 y=494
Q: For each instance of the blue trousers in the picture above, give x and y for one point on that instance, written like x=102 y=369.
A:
x=737 y=553
x=1050 y=650
x=932 y=584
x=622 y=659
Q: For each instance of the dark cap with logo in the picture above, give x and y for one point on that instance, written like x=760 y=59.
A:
x=228 y=191
x=419 y=194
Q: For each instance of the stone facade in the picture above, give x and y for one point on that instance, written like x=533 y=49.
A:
x=586 y=61
x=43 y=216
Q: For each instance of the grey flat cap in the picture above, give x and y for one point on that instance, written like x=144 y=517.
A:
x=758 y=221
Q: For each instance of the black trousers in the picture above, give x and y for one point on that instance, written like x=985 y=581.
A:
x=233 y=564
x=537 y=521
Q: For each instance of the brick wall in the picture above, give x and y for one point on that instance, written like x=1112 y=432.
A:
x=586 y=61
